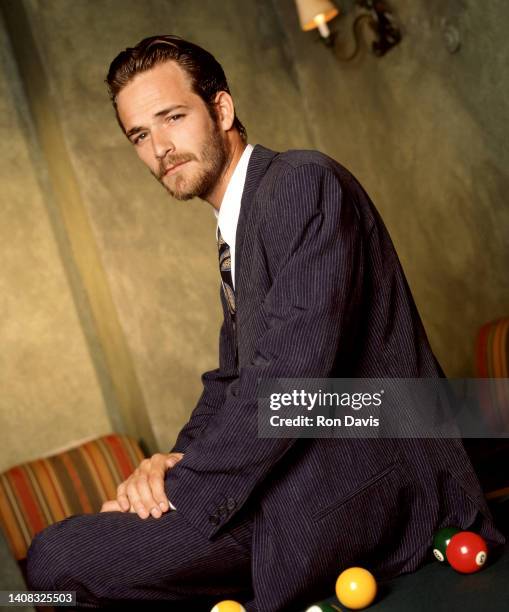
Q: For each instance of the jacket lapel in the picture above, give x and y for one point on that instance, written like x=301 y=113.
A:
x=259 y=161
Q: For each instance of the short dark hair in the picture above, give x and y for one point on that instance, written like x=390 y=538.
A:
x=205 y=72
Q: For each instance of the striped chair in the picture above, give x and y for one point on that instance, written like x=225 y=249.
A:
x=35 y=494
x=491 y=456
x=492 y=350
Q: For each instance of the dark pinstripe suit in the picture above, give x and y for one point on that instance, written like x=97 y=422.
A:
x=319 y=293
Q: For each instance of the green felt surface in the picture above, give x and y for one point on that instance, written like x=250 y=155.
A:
x=438 y=588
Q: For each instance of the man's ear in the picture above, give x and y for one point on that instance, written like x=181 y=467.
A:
x=225 y=110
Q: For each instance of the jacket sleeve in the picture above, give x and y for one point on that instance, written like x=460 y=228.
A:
x=215 y=383
x=311 y=234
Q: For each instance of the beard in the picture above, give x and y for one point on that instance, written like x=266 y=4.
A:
x=213 y=157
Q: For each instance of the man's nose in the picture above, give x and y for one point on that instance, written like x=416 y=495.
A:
x=161 y=144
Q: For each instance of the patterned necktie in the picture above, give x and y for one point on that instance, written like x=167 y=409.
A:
x=225 y=268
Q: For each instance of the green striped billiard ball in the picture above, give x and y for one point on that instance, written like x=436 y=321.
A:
x=441 y=540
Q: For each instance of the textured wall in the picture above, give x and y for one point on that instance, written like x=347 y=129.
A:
x=50 y=395
x=423 y=130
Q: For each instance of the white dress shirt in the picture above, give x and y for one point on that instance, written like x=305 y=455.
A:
x=228 y=215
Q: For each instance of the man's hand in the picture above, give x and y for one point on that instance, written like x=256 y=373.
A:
x=143 y=492
x=111 y=506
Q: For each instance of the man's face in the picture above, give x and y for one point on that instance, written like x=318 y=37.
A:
x=172 y=131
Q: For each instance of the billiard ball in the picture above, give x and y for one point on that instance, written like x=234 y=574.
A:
x=467 y=552
x=356 y=588
x=322 y=606
x=228 y=606
x=441 y=540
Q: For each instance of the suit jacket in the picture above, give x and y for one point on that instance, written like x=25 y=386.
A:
x=319 y=293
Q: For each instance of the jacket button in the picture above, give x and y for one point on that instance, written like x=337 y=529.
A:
x=222 y=509
x=231 y=503
x=214 y=519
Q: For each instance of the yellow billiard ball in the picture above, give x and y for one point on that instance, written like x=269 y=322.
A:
x=228 y=606
x=356 y=588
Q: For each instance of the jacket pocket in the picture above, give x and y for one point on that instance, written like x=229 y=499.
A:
x=338 y=503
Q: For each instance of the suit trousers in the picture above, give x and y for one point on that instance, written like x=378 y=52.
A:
x=113 y=558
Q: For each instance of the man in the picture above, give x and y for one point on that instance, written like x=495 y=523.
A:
x=311 y=288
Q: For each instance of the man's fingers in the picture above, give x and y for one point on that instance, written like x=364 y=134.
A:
x=156 y=482
x=122 y=496
x=135 y=500
x=111 y=506
x=141 y=498
x=172 y=459
x=143 y=492
x=152 y=492
x=123 y=502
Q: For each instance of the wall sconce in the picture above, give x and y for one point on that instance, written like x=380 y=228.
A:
x=315 y=14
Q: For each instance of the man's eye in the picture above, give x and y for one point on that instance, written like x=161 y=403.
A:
x=174 y=118
x=140 y=138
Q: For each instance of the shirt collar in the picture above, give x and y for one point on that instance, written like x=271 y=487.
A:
x=228 y=215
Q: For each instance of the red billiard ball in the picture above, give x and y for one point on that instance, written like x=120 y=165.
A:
x=467 y=552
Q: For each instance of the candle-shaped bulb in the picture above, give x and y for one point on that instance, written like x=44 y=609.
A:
x=323 y=28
